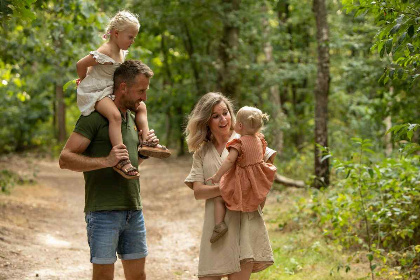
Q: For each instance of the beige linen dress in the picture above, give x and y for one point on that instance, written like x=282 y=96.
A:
x=247 y=237
x=98 y=83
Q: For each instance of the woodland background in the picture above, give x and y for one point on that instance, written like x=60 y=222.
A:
x=335 y=77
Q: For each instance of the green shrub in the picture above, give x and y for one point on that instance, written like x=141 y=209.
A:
x=9 y=178
x=374 y=207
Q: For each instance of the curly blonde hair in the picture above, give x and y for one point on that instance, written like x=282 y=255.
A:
x=197 y=130
x=251 y=118
x=121 y=21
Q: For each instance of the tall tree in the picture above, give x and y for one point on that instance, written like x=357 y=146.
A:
x=228 y=73
x=276 y=113
x=322 y=172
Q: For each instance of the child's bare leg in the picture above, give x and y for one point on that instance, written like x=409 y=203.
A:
x=220 y=227
x=141 y=121
x=148 y=149
x=219 y=210
x=106 y=107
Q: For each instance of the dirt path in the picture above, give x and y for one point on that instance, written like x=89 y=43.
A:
x=42 y=227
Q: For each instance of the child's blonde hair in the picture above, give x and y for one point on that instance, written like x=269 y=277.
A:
x=251 y=118
x=121 y=21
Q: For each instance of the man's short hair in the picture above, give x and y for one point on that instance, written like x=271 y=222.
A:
x=128 y=71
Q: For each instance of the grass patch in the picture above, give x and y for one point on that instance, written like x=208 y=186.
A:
x=9 y=178
x=300 y=250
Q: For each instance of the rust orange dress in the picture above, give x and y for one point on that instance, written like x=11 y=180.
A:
x=247 y=183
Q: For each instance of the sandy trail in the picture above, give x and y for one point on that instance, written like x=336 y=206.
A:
x=42 y=227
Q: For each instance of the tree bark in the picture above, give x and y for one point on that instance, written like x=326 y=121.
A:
x=228 y=73
x=167 y=80
x=276 y=113
x=177 y=107
x=388 y=140
x=189 y=46
x=289 y=182
x=321 y=93
x=61 y=113
x=388 y=125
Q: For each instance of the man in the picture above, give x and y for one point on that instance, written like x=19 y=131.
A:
x=113 y=209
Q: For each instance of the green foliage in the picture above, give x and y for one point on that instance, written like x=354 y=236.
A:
x=36 y=58
x=398 y=36
x=8 y=179
x=373 y=206
x=16 y=8
x=403 y=132
x=22 y=114
x=181 y=41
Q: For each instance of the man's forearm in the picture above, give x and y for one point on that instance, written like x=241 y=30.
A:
x=81 y=163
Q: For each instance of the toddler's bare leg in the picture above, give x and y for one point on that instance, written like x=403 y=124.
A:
x=220 y=227
x=141 y=121
x=107 y=108
x=219 y=210
x=148 y=149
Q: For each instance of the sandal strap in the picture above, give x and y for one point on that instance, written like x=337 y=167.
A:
x=149 y=144
x=153 y=145
x=132 y=168
x=122 y=162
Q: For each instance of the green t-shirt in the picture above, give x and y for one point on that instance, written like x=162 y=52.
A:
x=105 y=189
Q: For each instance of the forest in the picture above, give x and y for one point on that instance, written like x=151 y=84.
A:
x=340 y=80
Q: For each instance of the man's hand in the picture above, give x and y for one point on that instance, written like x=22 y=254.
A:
x=118 y=153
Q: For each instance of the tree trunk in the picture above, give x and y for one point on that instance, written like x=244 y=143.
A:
x=167 y=83
x=276 y=113
x=388 y=125
x=228 y=73
x=181 y=135
x=321 y=93
x=189 y=46
x=388 y=140
x=61 y=113
x=54 y=107
x=289 y=182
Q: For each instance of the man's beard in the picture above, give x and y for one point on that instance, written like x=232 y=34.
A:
x=130 y=105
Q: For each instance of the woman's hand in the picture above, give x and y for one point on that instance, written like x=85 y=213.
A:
x=214 y=179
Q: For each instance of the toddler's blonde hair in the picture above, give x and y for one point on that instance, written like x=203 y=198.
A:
x=121 y=21
x=251 y=118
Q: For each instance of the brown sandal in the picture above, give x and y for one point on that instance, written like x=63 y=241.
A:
x=126 y=172
x=151 y=149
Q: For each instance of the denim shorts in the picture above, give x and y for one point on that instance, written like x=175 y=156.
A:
x=111 y=232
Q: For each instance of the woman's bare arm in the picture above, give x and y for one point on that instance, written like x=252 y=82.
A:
x=202 y=191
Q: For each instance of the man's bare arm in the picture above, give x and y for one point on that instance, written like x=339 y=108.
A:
x=71 y=156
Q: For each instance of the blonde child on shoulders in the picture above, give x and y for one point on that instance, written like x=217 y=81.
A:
x=245 y=178
x=95 y=88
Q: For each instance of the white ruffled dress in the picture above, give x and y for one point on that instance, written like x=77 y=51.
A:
x=98 y=83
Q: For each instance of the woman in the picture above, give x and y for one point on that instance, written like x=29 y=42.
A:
x=245 y=248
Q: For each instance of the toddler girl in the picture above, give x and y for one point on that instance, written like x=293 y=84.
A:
x=245 y=178
x=95 y=87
